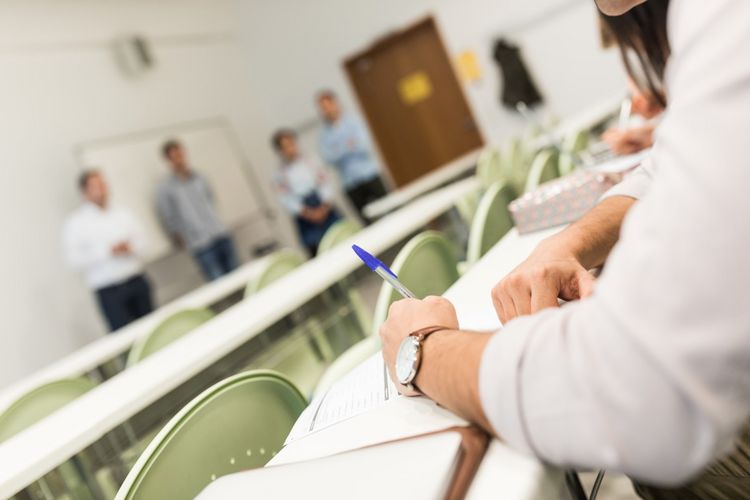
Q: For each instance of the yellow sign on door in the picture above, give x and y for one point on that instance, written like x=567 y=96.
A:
x=468 y=66
x=415 y=88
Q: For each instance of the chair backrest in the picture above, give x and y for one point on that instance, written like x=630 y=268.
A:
x=427 y=265
x=39 y=403
x=492 y=221
x=576 y=142
x=467 y=205
x=567 y=163
x=169 y=330
x=337 y=234
x=237 y=424
x=350 y=359
x=543 y=169
x=277 y=265
x=490 y=167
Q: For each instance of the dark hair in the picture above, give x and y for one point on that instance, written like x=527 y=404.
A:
x=280 y=135
x=83 y=178
x=643 y=31
x=326 y=94
x=169 y=146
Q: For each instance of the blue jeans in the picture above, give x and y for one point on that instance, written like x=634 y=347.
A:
x=217 y=259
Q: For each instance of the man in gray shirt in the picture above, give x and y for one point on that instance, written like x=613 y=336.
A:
x=186 y=207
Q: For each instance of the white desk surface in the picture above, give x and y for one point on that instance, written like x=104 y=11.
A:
x=35 y=451
x=110 y=346
x=504 y=473
x=425 y=184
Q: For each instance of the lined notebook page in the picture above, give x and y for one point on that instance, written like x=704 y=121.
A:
x=365 y=388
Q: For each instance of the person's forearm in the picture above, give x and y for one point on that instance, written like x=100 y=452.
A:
x=449 y=373
x=592 y=238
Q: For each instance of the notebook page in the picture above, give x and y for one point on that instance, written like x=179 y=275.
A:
x=365 y=388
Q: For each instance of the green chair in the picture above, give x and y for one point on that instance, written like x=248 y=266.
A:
x=276 y=266
x=543 y=169
x=576 y=142
x=490 y=167
x=335 y=236
x=491 y=222
x=567 y=164
x=515 y=164
x=427 y=265
x=467 y=205
x=349 y=360
x=169 y=330
x=338 y=233
x=238 y=424
x=297 y=359
x=38 y=404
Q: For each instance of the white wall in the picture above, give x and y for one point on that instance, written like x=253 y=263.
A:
x=257 y=62
x=295 y=48
x=60 y=86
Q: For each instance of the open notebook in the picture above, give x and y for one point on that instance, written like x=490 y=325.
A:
x=365 y=388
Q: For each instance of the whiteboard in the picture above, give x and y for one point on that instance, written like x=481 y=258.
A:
x=134 y=166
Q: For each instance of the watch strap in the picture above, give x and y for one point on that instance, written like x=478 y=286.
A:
x=420 y=336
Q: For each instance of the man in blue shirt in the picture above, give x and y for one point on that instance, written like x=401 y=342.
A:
x=186 y=207
x=345 y=144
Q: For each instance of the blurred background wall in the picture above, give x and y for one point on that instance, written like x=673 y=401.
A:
x=255 y=62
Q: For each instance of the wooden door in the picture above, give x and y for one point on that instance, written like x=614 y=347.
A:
x=413 y=101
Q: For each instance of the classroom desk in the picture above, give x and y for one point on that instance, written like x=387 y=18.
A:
x=504 y=473
x=37 y=450
x=429 y=182
x=107 y=348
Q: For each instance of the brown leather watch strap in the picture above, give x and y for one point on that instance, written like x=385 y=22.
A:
x=421 y=335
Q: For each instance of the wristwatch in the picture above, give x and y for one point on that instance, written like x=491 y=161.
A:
x=409 y=356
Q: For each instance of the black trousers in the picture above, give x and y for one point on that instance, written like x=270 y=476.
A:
x=125 y=302
x=365 y=193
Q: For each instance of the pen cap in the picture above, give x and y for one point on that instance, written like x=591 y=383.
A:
x=371 y=261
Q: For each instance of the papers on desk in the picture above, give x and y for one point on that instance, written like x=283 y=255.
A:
x=365 y=388
x=621 y=164
x=415 y=469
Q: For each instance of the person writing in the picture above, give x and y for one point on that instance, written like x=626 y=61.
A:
x=647 y=373
x=106 y=243
x=636 y=137
x=304 y=190
x=187 y=209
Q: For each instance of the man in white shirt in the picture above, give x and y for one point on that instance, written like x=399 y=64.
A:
x=648 y=374
x=106 y=244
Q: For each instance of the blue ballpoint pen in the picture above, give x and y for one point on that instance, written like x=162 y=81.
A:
x=383 y=271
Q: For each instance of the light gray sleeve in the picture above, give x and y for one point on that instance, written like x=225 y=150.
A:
x=167 y=210
x=636 y=184
x=649 y=376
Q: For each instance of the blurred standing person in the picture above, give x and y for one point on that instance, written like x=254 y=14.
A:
x=305 y=190
x=345 y=144
x=187 y=209
x=106 y=244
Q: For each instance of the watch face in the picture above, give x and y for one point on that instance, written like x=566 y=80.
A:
x=406 y=360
